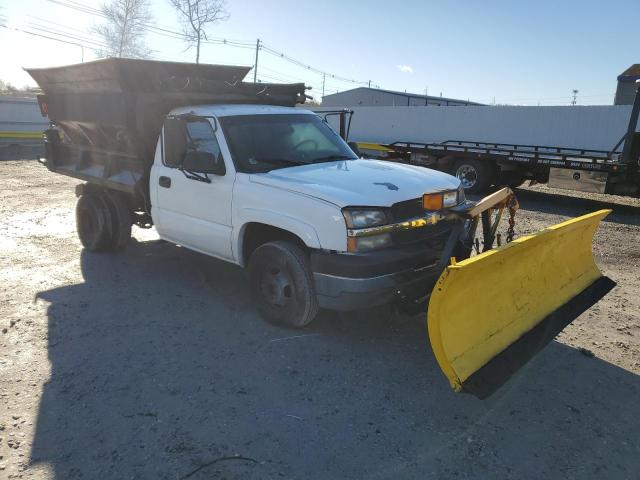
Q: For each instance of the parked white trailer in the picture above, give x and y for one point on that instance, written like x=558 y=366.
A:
x=591 y=127
x=21 y=126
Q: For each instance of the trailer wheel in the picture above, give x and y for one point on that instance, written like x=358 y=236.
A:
x=476 y=175
x=93 y=222
x=121 y=220
x=282 y=285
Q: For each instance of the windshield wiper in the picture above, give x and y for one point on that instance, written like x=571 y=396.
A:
x=328 y=158
x=276 y=161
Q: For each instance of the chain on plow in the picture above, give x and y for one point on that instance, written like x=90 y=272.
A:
x=490 y=216
x=513 y=208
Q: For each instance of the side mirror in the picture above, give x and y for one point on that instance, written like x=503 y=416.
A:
x=175 y=141
x=203 y=162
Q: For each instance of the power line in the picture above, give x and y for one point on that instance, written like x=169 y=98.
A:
x=310 y=68
x=165 y=31
x=77 y=44
x=60 y=33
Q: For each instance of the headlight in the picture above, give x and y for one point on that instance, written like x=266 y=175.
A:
x=363 y=218
x=372 y=242
x=450 y=199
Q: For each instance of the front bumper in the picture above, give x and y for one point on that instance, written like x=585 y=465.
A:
x=406 y=273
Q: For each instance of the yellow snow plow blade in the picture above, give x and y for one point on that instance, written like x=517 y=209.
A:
x=489 y=314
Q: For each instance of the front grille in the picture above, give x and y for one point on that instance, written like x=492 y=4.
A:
x=433 y=236
x=406 y=210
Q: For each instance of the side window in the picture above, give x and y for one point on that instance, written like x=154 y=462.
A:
x=182 y=138
x=202 y=138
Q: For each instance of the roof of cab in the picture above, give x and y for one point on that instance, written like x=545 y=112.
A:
x=233 y=110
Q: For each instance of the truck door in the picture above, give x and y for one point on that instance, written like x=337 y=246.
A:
x=194 y=185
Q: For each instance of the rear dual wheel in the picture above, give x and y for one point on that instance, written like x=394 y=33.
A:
x=103 y=221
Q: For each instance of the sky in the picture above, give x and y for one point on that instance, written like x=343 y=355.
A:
x=507 y=52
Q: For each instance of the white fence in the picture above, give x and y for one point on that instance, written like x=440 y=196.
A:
x=589 y=127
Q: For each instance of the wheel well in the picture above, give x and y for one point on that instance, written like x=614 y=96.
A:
x=256 y=234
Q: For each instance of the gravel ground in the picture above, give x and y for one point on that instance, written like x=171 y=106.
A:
x=152 y=363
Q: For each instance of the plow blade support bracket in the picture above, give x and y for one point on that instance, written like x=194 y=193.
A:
x=489 y=314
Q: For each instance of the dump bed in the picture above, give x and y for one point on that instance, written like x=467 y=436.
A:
x=106 y=115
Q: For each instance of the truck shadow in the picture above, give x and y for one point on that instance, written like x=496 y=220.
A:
x=160 y=368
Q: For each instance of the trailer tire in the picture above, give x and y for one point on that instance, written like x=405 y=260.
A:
x=93 y=223
x=282 y=285
x=476 y=175
x=121 y=220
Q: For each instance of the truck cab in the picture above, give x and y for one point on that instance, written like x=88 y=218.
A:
x=277 y=191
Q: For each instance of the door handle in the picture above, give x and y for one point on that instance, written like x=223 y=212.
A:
x=164 y=182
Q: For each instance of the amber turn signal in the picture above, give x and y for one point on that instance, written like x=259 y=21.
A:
x=432 y=201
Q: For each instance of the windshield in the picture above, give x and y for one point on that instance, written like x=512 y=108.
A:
x=260 y=143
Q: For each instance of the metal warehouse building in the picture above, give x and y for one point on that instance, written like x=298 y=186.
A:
x=373 y=97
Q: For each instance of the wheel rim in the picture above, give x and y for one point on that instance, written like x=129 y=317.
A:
x=467 y=175
x=276 y=287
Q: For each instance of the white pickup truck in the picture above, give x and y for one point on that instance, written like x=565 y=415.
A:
x=236 y=171
x=275 y=190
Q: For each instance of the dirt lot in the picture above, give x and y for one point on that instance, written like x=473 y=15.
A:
x=152 y=363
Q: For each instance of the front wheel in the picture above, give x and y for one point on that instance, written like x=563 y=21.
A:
x=476 y=176
x=282 y=285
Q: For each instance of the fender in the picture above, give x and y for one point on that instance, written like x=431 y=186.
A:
x=305 y=231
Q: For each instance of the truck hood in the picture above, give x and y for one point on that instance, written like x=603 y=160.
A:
x=361 y=182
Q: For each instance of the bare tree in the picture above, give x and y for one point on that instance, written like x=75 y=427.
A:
x=124 y=28
x=196 y=16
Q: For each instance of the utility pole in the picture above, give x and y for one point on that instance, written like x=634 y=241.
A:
x=369 y=83
x=255 y=67
x=575 y=94
x=324 y=77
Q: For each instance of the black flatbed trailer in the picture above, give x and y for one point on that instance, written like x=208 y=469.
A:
x=482 y=164
x=531 y=155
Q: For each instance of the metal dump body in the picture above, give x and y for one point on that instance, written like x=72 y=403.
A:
x=106 y=115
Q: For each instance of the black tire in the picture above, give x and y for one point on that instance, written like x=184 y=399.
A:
x=93 y=223
x=476 y=175
x=282 y=285
x=121 y=220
